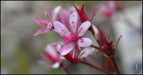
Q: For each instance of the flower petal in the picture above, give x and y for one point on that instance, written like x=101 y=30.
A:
x=41 y=22
x=57 y=9
x=66 y=49
x=49 y=26
x=61 y=29
x=73 y=22
x=51 y=50
x=95 y=31
x=84 y=42
x=56 y=65
x=83 y=28
x=58 y=47
x=40 y=31
x=55 y=12
x=85 y=52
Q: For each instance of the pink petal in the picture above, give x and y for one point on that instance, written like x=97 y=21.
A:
x=51 y=50
x=85 y=52
x=61 y=29
x=66 y=49
x=49 y=26
x=55 y=12
x=58 y=47
x=41 y=22
x=40 y=31
x=83 y=28
x=84 y=42
x=73 y=21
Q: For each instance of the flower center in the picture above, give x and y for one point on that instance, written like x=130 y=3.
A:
x=72 y=38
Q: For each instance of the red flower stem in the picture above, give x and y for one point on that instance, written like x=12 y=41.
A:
x=65 y=69
x=95 y=67
x=115 y=64
x=95 y=47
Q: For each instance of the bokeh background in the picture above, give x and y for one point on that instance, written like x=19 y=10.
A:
x=20 y=51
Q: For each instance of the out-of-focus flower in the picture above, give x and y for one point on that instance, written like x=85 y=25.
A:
x=52 y=55
x=109 y=9
x=48 y=25
x=73 y=37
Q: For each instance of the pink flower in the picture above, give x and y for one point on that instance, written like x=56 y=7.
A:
x=48 y=25
x=52 y=55
x=108 y=10
x=73 y=37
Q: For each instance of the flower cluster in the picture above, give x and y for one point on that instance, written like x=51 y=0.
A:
x=72 y=24
x=71 y=29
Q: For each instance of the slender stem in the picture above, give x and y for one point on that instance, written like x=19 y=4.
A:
x=95 y=67
x=115 y=64
x=65 y=69
x=95 y=47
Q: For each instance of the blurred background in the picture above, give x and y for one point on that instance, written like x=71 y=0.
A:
x=20 y=51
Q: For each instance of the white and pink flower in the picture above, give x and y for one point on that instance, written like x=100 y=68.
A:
x=73 y=38
x=52 y=55
x=48 y=25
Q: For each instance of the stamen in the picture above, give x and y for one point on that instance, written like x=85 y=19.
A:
x=80 y=30
x=93 y=14
x=118 y=40
x=108 y=37
x=95 y=11
x=78 y=48
x=81 y=54
x=73 y=53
